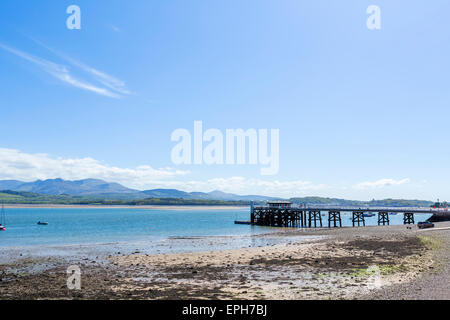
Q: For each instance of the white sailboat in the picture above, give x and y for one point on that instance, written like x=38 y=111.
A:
x=3 y=219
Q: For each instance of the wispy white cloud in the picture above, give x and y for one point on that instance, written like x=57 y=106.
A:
x=114 y=28
x=114 y=87
x=381 y=183
x=107 y=80
x=18 y=165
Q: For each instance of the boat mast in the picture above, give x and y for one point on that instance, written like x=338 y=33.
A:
x=3 y=216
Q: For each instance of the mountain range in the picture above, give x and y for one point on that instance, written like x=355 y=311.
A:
x=100 y=189
x=97 y=191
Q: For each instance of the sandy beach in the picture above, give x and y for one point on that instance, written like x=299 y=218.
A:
x=347 y=263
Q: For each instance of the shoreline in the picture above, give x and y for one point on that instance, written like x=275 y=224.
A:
x=89 y=206
x=154 y=246
x=332 y=266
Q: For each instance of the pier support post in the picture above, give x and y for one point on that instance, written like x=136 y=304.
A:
x=280 y=216
x=301 y=218
x=408 y=218
x=256 y=217
x=298 y=218
x=383 y=218
x=271 y=218
x=335 y=217
x=314 y=216
x=358 y=217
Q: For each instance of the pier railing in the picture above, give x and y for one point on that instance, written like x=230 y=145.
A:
x=365 y=209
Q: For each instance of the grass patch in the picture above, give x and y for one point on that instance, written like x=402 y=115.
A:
x=391 y=269
x=430 y=243
x=381 y=270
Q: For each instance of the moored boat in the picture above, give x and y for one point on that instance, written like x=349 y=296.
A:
x=242 y=222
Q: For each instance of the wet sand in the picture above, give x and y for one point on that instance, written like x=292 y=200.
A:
x=347 y=263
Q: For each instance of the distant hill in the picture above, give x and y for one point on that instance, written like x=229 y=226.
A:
x=22 y=197
x=213 y=195
x=167 y=193
x=78 y=187
x=10 y=184
x=356 y=203
x=99 y=191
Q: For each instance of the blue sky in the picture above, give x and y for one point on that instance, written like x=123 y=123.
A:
x=362 y=113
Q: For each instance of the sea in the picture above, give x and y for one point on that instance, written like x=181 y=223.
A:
x=128 y=230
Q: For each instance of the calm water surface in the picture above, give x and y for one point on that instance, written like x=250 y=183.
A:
x=146 y=230
x=100 y=225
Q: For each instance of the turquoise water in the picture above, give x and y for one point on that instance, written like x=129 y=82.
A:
x=106 y=230
x=105 y=225
x=373 y=221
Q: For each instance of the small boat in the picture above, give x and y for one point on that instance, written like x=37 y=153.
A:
x=368 y=215
x=242 y=222
x=42 y=223
x=392 y=213
x=2 y=228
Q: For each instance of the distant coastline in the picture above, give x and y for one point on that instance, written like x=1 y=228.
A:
x=95 y=192
x=90 y=206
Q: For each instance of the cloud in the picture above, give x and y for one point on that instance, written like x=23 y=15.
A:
x=243 y=186
x=114 y=28
x=105 y=79
x=100 y=76
x=114 y=87
x=381 y=183
x=18 y=165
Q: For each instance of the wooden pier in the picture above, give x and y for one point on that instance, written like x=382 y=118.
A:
x=284 y=214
